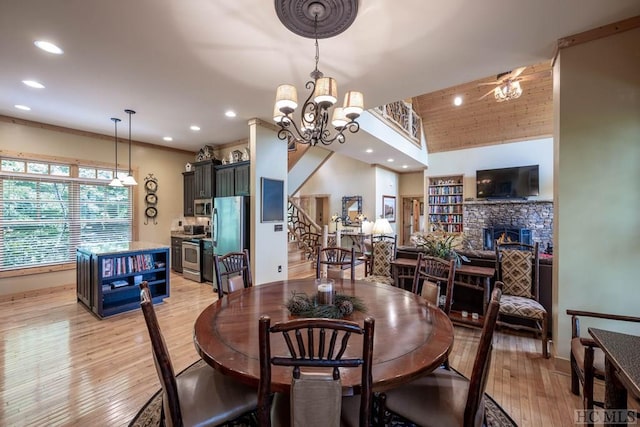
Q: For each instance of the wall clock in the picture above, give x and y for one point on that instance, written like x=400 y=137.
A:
x=151 y=199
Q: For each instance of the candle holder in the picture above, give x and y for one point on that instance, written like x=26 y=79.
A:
x=325 y=291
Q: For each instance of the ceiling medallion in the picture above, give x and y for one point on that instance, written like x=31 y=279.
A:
x=333 y=16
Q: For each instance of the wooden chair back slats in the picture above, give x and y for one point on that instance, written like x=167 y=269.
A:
x=438 y=271
x=315 y=352
x=161 y=357
x=230 y=265
x=482 y=362
x=339 y=258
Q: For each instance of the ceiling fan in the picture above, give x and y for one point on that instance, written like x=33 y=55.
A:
x=507 y=85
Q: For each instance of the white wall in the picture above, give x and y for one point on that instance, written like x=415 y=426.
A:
x=343 y=176
x=387 y=184
x=166 y=166
x=268 y=247
x=467 y=161
x=597 y=202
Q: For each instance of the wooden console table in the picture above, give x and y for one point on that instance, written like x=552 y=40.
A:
x=467 y=276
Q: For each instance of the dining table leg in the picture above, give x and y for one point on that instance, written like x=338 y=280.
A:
x=615 y=396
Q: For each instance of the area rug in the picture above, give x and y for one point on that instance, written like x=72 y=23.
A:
x=150 y=414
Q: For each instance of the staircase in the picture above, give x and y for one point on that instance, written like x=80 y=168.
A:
x=299 y=265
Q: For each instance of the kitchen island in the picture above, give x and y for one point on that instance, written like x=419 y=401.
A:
x=108 y=274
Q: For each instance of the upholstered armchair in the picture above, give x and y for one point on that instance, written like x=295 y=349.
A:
x=383 y=251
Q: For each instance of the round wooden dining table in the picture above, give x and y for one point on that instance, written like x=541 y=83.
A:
x=411 y=337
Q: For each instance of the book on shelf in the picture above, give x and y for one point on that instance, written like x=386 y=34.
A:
x=119 y=284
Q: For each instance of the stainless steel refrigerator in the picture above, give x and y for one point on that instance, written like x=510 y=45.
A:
x=230 y=223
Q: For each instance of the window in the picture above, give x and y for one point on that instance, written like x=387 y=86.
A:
x=47 y=212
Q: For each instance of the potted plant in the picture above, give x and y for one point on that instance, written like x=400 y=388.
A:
x=440 y=244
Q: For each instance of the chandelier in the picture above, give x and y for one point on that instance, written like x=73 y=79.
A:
x=509 y=90
x=314 y=124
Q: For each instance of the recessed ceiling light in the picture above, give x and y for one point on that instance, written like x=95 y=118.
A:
x=457 y=101
x=390 y=160
x=22 y=107
x=33 y=84
x=404 y=166
x=48 y=47
x=230 y=113
x=167 y=138
x=195 y=128
x=368 y=150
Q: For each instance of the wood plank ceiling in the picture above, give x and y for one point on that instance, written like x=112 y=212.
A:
x=480 y=122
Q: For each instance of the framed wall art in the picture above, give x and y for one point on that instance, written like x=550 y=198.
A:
x=389 y=208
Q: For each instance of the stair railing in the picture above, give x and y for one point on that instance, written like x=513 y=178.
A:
x=400 y=115
x=304 y=228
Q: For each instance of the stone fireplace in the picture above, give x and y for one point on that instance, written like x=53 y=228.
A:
x=522 y=220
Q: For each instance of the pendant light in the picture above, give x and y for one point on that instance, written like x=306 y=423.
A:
x=115 y=182
x=129 y=179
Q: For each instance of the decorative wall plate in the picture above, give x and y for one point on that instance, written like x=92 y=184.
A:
x=151 y=212
x=151 y=198
x=151 y=185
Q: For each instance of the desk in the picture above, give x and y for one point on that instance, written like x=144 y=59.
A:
x=411 y=337
x=622 y=366
x=467 y=276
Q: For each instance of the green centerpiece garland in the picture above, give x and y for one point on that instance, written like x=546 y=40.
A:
x=301 y=304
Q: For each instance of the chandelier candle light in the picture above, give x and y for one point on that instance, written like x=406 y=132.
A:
x=314 y=116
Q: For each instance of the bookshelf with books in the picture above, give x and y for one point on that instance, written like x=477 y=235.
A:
x=108 y=275
x=445 y=203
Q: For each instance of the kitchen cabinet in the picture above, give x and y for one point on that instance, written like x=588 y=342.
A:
x=207 y=260
x=176 y=254
x=108 y=275
x=189 y=192
x=233 y=179
x=204 y=179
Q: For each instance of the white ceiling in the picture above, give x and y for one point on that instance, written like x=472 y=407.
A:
x=184 y=62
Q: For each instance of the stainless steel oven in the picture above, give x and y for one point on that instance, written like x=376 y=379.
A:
x=191 y=260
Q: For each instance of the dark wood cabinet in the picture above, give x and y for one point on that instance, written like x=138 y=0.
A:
x=176 y=254
x=225 y=181
x=207 y=260
x=233 y=179
x=189 y=192
x=205 y=179
x=242 y=177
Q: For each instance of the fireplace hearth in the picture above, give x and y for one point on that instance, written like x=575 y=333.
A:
x=505 y=233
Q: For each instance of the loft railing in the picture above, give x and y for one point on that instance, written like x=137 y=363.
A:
x=402 y=117
x=308 y=234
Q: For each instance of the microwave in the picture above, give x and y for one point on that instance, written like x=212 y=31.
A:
x=203 y=207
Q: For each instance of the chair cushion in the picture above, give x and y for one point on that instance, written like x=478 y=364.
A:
x=315 y=400
x=382 y=253
x=437 y=399
x=387 y=280
x=521 y=307
x=516 y=272
x=577 y=349
x=208 y=397
x=430 y=292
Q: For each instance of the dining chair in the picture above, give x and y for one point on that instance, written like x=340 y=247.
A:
x=587 y=359
x=445 y=397
x=518 y=266
x=337 y=260
x=435 y=272
x=235 y=268
x=201 y=395
x=378 y=265
x=316 y=393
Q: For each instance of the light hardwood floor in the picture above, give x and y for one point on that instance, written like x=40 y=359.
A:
x=63 y=366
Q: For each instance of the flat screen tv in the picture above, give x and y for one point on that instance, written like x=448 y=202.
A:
x=507 y=183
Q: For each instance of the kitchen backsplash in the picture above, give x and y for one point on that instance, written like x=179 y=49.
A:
x=178 y=223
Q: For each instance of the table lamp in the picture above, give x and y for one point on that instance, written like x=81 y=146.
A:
x=382 y=226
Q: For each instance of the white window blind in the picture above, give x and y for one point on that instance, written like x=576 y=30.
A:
x=46 y=213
